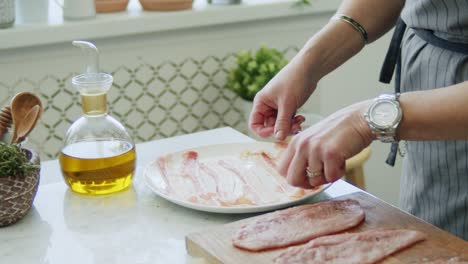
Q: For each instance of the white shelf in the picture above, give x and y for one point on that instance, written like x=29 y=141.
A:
x=35 y=30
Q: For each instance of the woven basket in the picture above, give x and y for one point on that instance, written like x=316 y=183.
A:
x=17 y=193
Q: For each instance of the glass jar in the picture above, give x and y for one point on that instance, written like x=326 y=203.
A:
x=7 y=13
x=99 y=154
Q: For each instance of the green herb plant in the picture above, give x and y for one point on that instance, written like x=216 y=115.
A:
x=14 y=161
x=302 y=2
x=297 y=3
x=254 y=71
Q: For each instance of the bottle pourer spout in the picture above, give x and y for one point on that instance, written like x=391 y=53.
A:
x=92 y=53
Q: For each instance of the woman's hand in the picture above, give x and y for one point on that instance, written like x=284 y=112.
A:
x=324 y=148
x=275 y=106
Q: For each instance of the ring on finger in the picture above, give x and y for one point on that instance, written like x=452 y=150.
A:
x=313 y=174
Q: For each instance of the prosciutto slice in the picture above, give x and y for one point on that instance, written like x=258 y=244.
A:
x=359 y=248
x=298 y=225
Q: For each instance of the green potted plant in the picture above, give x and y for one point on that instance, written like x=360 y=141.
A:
x=224 y=2
x=232 y=2
x=302 y=2
x=252 y=72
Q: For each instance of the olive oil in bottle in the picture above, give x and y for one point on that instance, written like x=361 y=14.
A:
x=99 y=155
x=98 y=167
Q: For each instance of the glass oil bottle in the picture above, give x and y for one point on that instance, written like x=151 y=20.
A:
x=99 y=155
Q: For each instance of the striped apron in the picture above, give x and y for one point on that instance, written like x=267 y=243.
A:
x=433 y=54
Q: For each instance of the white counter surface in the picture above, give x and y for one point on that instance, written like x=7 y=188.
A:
x=134 y=226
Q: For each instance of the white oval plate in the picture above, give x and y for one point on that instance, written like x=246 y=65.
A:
x=227 y=178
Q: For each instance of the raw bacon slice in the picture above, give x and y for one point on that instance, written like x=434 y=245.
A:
x=360 y=248
x=298 y=225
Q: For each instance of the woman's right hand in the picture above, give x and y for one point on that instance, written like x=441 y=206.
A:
x=275 y=106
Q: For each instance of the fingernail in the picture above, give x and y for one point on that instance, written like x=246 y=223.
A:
x=299 y=121
x=279 y=134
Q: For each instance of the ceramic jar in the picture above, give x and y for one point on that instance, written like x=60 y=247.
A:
x=110 y=6
x=7 y=13
x=166 y=5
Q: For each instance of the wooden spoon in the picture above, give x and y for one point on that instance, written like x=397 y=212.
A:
x=21 y=104
x=25 y=126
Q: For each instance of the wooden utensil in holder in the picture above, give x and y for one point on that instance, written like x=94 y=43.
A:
x=26 y=125
x=5 y=120
x=21 y=105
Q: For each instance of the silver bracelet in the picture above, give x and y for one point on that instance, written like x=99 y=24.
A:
x=354 y=24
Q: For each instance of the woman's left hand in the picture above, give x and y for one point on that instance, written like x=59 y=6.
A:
x=324 y=148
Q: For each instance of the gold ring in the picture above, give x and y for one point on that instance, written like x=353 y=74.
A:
x=313 y=174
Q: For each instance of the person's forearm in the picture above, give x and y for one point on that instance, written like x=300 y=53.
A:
x=339 y=41
x=440 y=114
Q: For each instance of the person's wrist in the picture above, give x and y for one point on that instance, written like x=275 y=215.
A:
x=364 y=128
x=311 y=61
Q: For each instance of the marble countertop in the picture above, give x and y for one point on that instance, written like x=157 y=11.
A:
x=134 y=226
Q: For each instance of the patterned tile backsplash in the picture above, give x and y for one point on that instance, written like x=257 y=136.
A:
x=152 y=101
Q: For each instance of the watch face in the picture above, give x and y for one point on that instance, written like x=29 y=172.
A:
x=385 y=114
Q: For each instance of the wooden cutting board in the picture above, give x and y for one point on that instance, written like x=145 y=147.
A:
x=214 y=244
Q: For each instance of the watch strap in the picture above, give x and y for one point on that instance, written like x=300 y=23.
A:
x=391 y=158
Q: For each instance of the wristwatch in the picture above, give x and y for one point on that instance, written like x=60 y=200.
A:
x=384 y=116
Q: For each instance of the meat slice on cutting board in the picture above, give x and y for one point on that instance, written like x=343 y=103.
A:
x=442 y=260
x=298 y=225
x=351 y=248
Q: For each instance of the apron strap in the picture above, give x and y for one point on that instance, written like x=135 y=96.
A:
x=429 y=37
x=393 y=53
x=392 y=60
